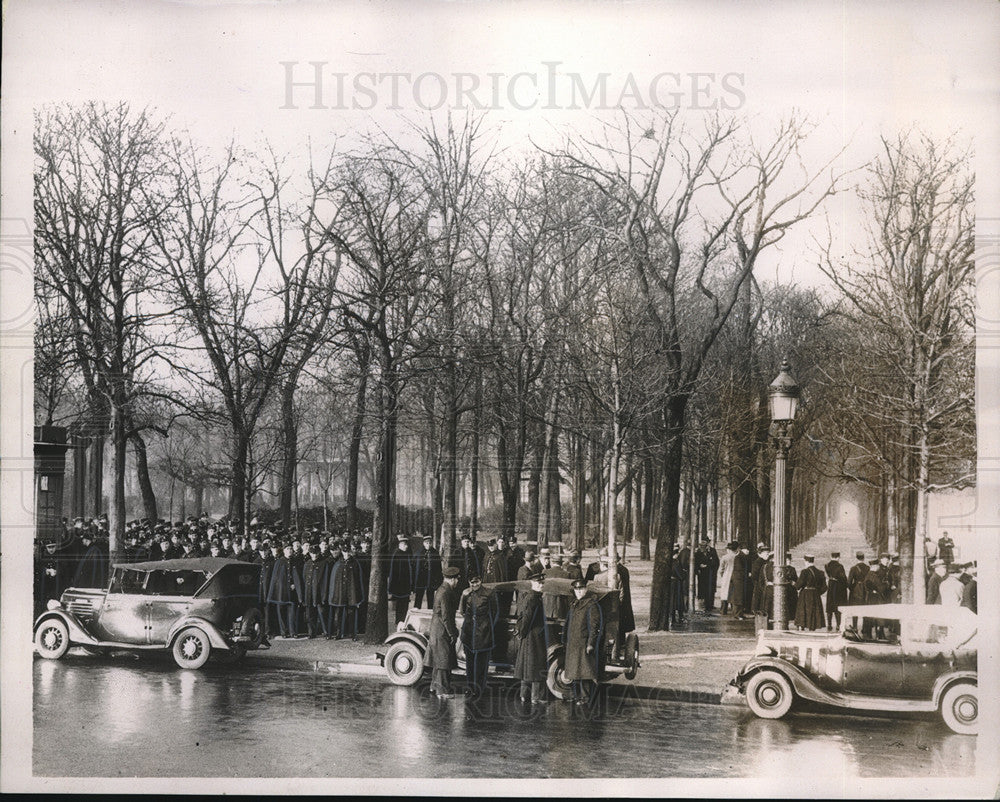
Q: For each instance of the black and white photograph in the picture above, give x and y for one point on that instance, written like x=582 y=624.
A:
x=500 y=398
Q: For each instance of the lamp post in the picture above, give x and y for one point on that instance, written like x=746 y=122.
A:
x=783 y=397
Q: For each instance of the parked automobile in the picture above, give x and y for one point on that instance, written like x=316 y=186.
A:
x=886 y=657
x=193 y=607
x=404 y=652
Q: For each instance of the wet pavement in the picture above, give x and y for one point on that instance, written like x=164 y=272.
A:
x=113 y=717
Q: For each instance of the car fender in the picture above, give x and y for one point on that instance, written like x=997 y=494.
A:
x=944 y=682
x=415 y=638
x=802 y=683
x=215 y=636
x=78 y=634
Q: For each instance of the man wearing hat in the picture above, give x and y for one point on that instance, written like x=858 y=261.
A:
x=313 y=574
x=345 y=596
x=811 y=586
x=952 y=587
x=281 y=593
x=443 y=634
x=933 y=595
x=480 y=610
x=92 y=570
x=756 y=582
x=468 y=560
x=573 y=569
x=836 y=590
x=581 y=638
x=402 y=574
x=946 y=549
x=555 y=604
x=531 y=663
x=428 y=576
x=856 y=580
x=706 y=567
x=970 y=593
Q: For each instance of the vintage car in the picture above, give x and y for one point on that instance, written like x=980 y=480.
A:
x=193 y=607
x=887 y=657
x=404 y=652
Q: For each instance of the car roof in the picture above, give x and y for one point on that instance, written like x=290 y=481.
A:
x=909 y=611
x=210 y=564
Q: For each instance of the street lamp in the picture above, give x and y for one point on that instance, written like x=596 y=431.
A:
x=783 y=397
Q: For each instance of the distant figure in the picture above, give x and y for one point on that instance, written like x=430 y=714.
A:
x=946 y=549
x=933 y=595
x=836 y=590
x=856 y=580
x=726 y=575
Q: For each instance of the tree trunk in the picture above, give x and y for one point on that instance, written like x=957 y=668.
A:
x=378 y=608
x=96 y=475
x=477 y=419
x=354 y=452
x=534 y=486
x=289 y=452
x=673 y=452
x=116 y=513
x=142 y=472
x=648 y=499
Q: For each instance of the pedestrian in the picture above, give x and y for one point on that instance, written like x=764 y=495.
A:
x=758 y=584
x=836 y=590
x=811 y=585
x=528 y=566
x=740 y=591
x=468 y=560
x=726 y=564
x=443 y=634
x=706 y=566
x=971 y=591
x=480 y=611
x=92 y=570
x=933 y=594
x=531 y=663
x=402 y=574
x=345 y=596
x=428 y=576
x=856 y=580
x=581 y=640
x=573 y=569
x=952 y=588
x=555 y=604
x=281 y=594
x=946 y=549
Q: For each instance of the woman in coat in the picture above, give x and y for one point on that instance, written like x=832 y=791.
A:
x=582 y=638
x=531 y=663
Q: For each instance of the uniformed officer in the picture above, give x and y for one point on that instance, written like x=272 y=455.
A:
x=443 y=634
x=836 y=589
x=581 y=639
x=811 y=585
x=402 y=573
x=480 y=611
x=531 y=663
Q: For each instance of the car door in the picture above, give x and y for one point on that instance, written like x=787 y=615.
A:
x=170 y=600
x=873 y=668
x=122 y=617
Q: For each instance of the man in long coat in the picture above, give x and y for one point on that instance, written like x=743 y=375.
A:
x=582 y=637
x=313 y=574
x=739 y=589
x=264 y=559
x=428 y=576
x=836 y=590
x=443 y=634
x=811 y=586
x=282 y=595
x=572 y=567
x=555 y=604
x=726 y=575
x=92 y=570
x=856 y=593
x=758 y=585
x=468 y=560
x=480 y=611
x=402 y=574
x=933 y=592
x=345 y=596
x=531 y=663
x=706 y=566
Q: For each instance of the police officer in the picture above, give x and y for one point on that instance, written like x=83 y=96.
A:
x=836 y=589
x=531 y=664
x=443 y=634
x=480 y=611
x=428 y=575
x=581 y=639
x=402 y=573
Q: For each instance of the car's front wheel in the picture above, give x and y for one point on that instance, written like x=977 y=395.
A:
x=52 y=639
x=960 y=708
x=558 y=685
x=192 y=648
x=769 y=694
x=404 y=663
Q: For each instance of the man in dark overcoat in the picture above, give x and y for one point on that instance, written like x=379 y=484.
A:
x=581 y=638
x=811 y=586
x=312 y=583
x=738 y=590
x=573 y=568
x=556 y=604
x=531 y=662
x=856 y=593
x=443 y=634
x=402 y=574
x=92 y=570
x=264 y=559
x=347 y=593
x=706 y=566
x=468 y=560
x=836 y=590
x=428 y=574
x=480 y=611
x=364 y=558
x=282 y=596
x=758 y=585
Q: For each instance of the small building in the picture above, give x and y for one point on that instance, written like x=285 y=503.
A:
x=50 y=473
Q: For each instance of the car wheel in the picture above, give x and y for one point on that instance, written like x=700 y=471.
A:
x=253 y=627
x=769 y=694
x=191 y=648
x=558 y=685
x=631 y=655
x=404 y=663
x=52 y=639
x=960 y=708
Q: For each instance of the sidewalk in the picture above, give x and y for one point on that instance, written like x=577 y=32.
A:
x=693 y=663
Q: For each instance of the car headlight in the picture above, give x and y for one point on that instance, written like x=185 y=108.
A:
x=53 y=604
x=401 y=626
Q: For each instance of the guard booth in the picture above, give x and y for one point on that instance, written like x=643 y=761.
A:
x=50 y=474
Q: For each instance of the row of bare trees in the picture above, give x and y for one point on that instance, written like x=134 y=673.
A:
x=580 y=324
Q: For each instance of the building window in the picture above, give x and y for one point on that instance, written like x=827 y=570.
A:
x=43 y=482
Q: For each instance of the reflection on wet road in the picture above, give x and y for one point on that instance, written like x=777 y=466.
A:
x=109 y=718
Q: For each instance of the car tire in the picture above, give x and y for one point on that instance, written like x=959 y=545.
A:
x=52 y=639
x=960 y=708
x=631 y=655
x=404 y=663
x=769 y=694
x=556 y=680
x=253 y=628
x=191 y=648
